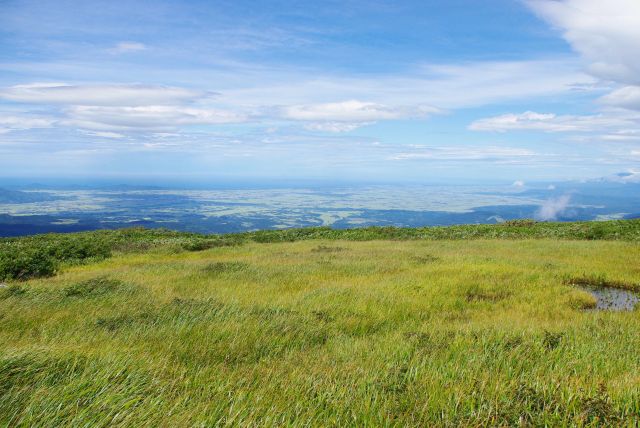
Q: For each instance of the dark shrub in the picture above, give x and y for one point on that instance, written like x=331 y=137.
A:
x=197 y=245
x=17 y=262
x=73 y=247
x=38 y=256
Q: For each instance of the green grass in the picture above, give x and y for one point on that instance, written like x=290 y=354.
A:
x=42 y=255
x=373 y=327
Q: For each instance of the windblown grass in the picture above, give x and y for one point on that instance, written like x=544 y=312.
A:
x=325 y=333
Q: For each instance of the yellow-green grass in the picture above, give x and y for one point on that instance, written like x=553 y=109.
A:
x=326 y=333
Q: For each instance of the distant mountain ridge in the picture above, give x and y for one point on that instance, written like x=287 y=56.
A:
x=621 y=177
x=18 y=197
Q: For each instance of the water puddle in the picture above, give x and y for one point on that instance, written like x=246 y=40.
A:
x=612 y=299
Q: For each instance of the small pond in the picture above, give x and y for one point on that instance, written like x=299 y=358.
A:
x=612 y=299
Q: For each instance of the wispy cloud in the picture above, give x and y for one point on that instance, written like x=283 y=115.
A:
x=23 y=122
x=146 y=118
x=349 y=115
x=318 y=102
x=126 y=47
x=98 y=95
x=104 y=134
x=335 y=126
x=549 y=122
x=443 y=86
x=355 y=111
x=626 y=97
x=461 y=153
x=552 y=208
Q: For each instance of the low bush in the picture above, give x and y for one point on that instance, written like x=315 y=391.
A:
x=17 y=262
x=38 y=256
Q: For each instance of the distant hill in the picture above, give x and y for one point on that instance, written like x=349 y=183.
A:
x=18 y=197
x=621 y=177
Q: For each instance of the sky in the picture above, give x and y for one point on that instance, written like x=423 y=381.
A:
x=350 y=90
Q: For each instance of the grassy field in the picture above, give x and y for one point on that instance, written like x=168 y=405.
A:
x=388 y=330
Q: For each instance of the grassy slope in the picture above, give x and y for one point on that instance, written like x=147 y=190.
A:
x=325 y=332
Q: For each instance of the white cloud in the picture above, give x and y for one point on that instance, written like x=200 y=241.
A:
x=17 y=122
x=518 y=184
x=312 y=101
x=625 y=97
x=104 y=134
x=463 y=153
x=606 y=33
x=335 y=126
x=481 y=83
x=125 y=47
x=510 y=121
x=98 y=95
x=349 y=115
x=250 y=94
x=354 y=111
x=622 y=135
x=552 y=208
x=146 y=118
x=623 y=124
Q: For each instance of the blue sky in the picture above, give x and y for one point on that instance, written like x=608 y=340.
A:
x=415 y=91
